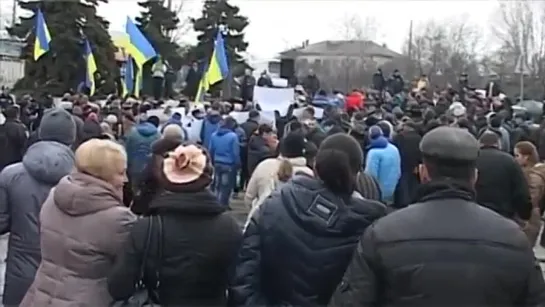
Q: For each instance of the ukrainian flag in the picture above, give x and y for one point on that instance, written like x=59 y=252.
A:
x=138 y=46
x=91 y=66
x=217 y=70
x=41 y=42
x=128 y=82
x=138 y=82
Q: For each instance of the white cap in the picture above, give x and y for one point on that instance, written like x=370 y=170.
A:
x=111 y=119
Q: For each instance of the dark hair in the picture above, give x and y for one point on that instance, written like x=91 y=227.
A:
x=495 y=121
x=11 y=112
x=294 y=125
x=338 y=162
x=154 y=120
x=448 y=168
x=264 y=128
x=489 y=138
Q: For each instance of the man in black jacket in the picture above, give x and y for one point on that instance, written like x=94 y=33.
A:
x=249 y=127
x=501 y=185
x=444 y=250
x=13 y=138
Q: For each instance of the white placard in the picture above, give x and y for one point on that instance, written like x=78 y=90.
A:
x=193 y=127
x=271 y=99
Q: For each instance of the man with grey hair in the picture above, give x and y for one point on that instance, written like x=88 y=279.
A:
x=445 y=249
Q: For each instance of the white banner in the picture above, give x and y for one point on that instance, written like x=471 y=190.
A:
x=271 y=99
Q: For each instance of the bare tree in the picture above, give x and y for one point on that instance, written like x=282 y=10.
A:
x=447 y=49
x=353 y=27
x=520 y=31
x=180 y=8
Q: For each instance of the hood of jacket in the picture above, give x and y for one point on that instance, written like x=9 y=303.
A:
x=199 y=203
x=223 y=131
x=379 y=142
x=48 y=162
x=146 y=129
x=81 y=194
x=213 y=117
x=305 y=196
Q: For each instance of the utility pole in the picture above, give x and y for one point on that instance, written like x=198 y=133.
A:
x=410 y=51
x=14 y=13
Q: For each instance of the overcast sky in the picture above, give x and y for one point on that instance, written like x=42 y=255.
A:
x=276 y=25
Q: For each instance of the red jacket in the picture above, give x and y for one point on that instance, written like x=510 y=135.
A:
x=354 y=101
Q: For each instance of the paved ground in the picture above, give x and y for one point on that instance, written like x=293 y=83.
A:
x=239 y=210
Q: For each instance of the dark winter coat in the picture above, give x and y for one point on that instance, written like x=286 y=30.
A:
x=445 y=250
x=24 y=187
x=311 y=84
x=501 y=185
x=192 y=83
x=258 y=150
x=200 y=242
x=13 y=138
x=296 y=248
x=247 y=88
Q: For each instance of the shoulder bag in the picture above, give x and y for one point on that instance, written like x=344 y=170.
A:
x=145 y=296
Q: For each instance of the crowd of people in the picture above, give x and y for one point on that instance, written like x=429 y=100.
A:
x=390 y=198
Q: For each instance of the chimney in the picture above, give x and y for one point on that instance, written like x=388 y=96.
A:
x=384 y=45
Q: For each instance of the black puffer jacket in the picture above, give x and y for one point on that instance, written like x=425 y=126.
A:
x=444 y=250
x=200 y=242
x=501 y=185
x=296 y=249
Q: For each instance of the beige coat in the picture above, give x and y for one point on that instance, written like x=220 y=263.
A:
x=83 y=226
x=265 y=179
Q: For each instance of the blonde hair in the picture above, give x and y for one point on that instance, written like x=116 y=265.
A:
x=101 y=158
x=285 y=170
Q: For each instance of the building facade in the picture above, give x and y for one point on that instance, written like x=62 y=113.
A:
x=12 y=67
x=341 y=65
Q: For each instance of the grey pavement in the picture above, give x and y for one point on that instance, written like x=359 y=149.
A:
x=238 y=210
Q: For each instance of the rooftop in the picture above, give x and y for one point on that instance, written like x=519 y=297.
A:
x=342 y=48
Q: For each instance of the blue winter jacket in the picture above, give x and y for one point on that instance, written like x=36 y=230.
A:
x=225 y=147
x=210 y=125
x=384 y=164
x=298 y=245
x=138 y=146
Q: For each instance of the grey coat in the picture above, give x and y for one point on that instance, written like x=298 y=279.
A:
x=23 y=189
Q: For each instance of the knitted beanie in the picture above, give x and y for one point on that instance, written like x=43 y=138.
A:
x=57 y=125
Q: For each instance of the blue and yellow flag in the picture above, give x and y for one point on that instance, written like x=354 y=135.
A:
x=91 y=68
x=138 y=46
x=128 y=81
x=138 y=81
x=41 y=42
x=217 y=70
